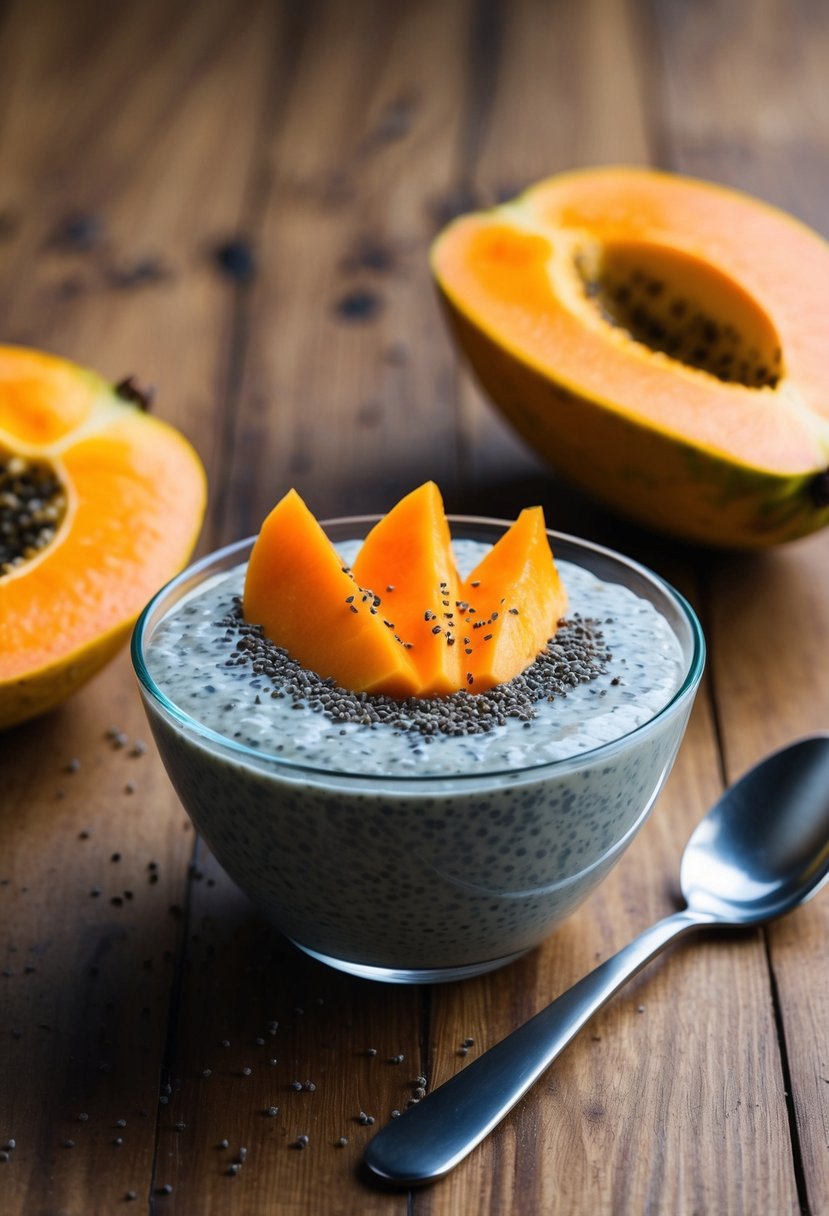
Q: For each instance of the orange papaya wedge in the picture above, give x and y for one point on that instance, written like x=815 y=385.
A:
x=407 y=560
x=307 y=601
x=514 y=600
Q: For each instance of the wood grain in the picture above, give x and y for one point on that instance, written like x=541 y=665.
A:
x=330 y=142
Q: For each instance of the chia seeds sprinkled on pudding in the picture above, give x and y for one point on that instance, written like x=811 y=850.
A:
x=575 y=655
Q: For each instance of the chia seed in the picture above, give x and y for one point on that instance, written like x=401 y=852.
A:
x=576 y=655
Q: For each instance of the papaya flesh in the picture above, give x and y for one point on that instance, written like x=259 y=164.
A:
x=307 y=601
x=513 y=601
x=400 y=622
x=663 y=341
x=407 y=559
x=100 y=504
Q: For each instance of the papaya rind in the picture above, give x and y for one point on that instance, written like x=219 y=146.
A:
x=658 y=479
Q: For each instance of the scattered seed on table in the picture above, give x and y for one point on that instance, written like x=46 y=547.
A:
x=234 y=1168
x=397 y=1059
x=166 y=1189
x=243 y=1152
x=371 y=1051
x=84 y=834
x=225 y=1043
x=260 y=1042
x=83 y=1116
x=74 y=765
x=115 y=857
x=207 y=1072
x=419 y=1081
x=273 y=1062
x=224 y=1144
x=246 y=1072
x=273 y=1111
x=309 y=1087
x=420 y=1092
x=296 y=1085
x=130 y=787
x=395 y=1114
x=273 y=1027
x=4 y=1156
x=130 y=1195
x=69 y=1144
x=342 y=1142
x=463 y=1051
x=180 y=1127
x=120 y=1123
x=469 y=1042
x=139 y=747
x=118 y=1141
x=302 y=1141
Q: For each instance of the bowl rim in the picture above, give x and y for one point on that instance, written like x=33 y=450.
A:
x=296 y=768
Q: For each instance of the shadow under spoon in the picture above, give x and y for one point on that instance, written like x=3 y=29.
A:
x=762 y=850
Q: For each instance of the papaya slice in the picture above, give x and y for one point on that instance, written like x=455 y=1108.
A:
x=407 y=560
x=100 y=504
x=338 y=621
x=661 y=340
x=307 y=601
x=517 y=599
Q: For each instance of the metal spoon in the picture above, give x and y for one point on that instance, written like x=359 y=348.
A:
x=762 y=850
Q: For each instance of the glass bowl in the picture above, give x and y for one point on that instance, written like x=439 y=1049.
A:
x=406 y=875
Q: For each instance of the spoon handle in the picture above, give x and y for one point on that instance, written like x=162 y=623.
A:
x=429 y=1139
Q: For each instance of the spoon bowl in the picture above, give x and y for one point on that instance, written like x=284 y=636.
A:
x=762 y=850
x=764 y=847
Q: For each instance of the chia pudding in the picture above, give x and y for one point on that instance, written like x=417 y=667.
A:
x=421 y=840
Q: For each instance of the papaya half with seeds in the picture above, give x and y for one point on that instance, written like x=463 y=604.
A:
x=100 y=504
x=662 y=341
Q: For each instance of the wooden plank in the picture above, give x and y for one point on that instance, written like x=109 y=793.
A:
x=769 y=622
x=118 y=117
x=88 y=945
x=107 y=260
x=772 y=618
x=593 y=1119
x=565 y=91
x=352 y=410
x=347 y=392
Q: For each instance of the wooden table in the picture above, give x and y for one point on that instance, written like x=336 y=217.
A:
x=140 y=994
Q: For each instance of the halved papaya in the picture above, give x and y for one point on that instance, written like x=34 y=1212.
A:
x=308 y=602
x=518 y=599
x=663 y=341
x=407 y=560
x=100 y=504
